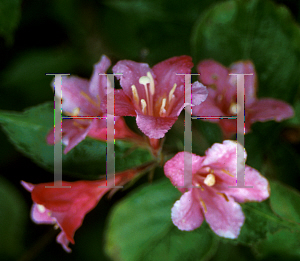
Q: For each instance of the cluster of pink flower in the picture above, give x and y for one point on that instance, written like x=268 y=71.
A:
x=156 y=98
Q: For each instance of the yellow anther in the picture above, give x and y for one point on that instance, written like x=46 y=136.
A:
x=76 y=111
x=41 y=208
x=235 y=108
x=203 y=205
x=152 y=86
x=210 y=180
x=223 y=195
x=135 y=94
x=198 y=185
x=56 y=226
x=144 y=106
x=228 y=173
x=171 y=93
x=162 y=110
x=88 y=98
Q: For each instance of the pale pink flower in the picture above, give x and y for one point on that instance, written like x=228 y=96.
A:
x=212 y=198
x=154 y=96
x=222 y=97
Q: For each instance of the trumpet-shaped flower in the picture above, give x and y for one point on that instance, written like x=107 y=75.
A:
x=66 y=207
x=222 y=97
x=83 y=98
x=154 y=96
x=210 y=197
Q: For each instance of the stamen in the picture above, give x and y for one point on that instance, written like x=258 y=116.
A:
x=152 y=86
x=203 y=205
x=228 y=173
x=135 y=94
x=171 y=93
x=88 y=98
x=76 y=111
x=162 y=110
x=210 y=180
x=145 y=80
x=198 y=185
x=223 y=195
x=41 y=208
x=56 y=226
x=144 y=105
x=235 y=108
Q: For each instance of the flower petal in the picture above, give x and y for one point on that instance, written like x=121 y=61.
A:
x=199 y=93
x=174 y=168
x=208 y=107
x=123 y=105
x=74 y=131
x=259 y=192
x=245 y=67
x=75 y=93
x=166 y=77
x=69 y=205
x=131 y=73
x=98 y=83
x=154 y=127
x=186 y=213
x=224 y=217
x=63 y=240
x=41 y=215
x=213 y=73
x=223 y=156
x=269 y=109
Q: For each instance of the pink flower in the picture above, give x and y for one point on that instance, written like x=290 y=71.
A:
x=222 y=97
x=83 y=98
x=67 y=207
x=154 y=96
x=212 y=174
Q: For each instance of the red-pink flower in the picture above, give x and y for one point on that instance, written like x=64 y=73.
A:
x=222 y=97
x=155 y=96
x=83 y=98
x=212 y=198
x=67 y=207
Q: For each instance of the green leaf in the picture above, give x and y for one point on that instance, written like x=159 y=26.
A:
x=140 y=228
x=281 y=211
x=12 y=220
x=154 y=30
x=260 y=220
x=285 y=201
x=28 y=132
x=257 y=30
x=283 y=243
x=10 y=14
